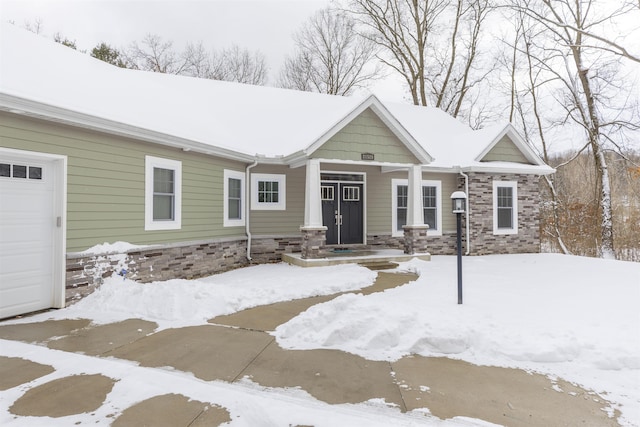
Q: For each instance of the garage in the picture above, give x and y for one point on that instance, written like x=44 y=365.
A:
x=32 y=231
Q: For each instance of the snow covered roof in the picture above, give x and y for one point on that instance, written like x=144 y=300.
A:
x=220 y=118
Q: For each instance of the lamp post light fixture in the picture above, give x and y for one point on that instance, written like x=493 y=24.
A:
x=458 y=207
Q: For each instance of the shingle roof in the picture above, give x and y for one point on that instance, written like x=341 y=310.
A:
x=245 y=119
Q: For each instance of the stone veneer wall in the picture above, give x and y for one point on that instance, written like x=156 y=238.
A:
x=270 y=249
x=179 y=261
x=384 y=241
x=436 y=245
x=483 y=241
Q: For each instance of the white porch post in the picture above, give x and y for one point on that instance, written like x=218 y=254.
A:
x=312 y=204
x=415 y=213
x=415 y=232
x=314 y=234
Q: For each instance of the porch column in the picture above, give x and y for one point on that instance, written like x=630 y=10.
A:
x=415 y=231
x=314 y=233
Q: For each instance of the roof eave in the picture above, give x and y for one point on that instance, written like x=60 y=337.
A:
x=515 y=168
x=29 y=108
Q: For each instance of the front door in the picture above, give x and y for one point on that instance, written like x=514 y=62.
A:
x=342 y=212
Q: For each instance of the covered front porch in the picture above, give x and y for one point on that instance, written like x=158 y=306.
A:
x=335 y=225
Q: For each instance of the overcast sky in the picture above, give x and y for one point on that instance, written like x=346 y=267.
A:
x=264 y=25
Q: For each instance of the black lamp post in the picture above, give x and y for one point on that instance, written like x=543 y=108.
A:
x=459 y=201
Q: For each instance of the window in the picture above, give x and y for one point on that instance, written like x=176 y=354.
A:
x=431 y=201
x=163 y=194
x=326 y=192
x=233 y=198
x=430 y=206
x=20 y=171
x=401 y=207
x=350 y=194
x=268 y=191
x=505 y=207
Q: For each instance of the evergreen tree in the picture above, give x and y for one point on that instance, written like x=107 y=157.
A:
x=106 y=53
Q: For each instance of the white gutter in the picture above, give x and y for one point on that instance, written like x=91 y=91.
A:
x=248 y=206
x=466 y=190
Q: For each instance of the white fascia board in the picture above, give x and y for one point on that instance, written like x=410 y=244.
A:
x=480 y=167
x=425 y=169
x=29 y=108
x=515 y=168
x=383 y=113
x=385 y=167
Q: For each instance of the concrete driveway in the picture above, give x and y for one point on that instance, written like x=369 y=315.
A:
x=238 y=347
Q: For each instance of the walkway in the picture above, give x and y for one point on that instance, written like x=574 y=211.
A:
x=239 y=346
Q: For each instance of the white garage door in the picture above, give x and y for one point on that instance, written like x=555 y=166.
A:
x=29 y=211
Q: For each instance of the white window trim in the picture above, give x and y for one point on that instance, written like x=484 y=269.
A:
x=514 y=186
x=175 y=165
x=227 y=222
x=282 y=192
x=394 y=206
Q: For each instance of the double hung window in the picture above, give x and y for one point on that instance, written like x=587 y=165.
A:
x=233 y=198
x=163 y=194
x=505 y=207
x=431 y=205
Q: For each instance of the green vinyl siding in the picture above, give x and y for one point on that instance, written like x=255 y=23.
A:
x=379 y=200
x=505 y=151
x=281 y=222
x=106 y=184
x=365 y=134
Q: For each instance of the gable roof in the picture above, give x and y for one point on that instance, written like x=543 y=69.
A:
x=495 y=135
x=385 y=115
x=231 y=120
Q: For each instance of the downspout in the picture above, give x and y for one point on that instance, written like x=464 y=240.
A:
x=466 y=191
x=248 y=206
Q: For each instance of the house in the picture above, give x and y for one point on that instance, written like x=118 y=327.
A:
x=203 y=176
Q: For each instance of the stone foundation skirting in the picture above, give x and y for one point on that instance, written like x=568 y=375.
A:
x=384 y=241
x=270 y=249
x=84 y=272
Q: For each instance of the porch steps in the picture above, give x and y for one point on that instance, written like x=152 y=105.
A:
x=383 y=257
x=378 y=265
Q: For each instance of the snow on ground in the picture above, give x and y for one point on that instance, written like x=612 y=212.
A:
x=108 y=248
x=177 y=303
x=571 y=317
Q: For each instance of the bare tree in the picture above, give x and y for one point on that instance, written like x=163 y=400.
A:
x=330 y=56
x=239 y=65
x=232 y=64
x=198 y=61
x=433 y=44
x=36 y=27
x=155 y=55
x=451 y=75
x=593 y=95
x=401 y=28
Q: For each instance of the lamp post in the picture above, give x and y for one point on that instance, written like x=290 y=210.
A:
x=458 y=202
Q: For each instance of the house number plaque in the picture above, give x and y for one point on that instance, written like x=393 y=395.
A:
x=367 y=156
